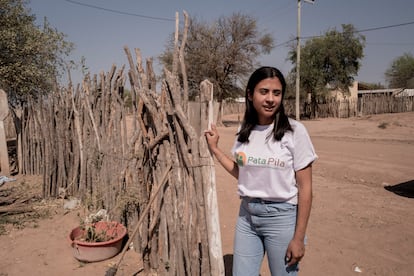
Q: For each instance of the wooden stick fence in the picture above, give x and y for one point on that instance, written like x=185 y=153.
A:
x=346 y=108
x=82 y=141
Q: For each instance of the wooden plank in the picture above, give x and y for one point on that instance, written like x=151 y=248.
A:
x=4 y=155
x=209 y=184
x=4 y=105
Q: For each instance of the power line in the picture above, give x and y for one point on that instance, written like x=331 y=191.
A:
x=172 y=20
x=370 y=29
x=120 y=12
x=286 y=42
x=385 y=27
x=357 y=31
x=392 y=43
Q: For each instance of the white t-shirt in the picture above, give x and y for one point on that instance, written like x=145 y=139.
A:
x=267 y=167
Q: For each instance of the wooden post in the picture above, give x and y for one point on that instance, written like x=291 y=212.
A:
x=4 y=155
x=209 y=185
x=206 y=105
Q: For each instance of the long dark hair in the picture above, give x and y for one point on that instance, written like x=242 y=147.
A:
x=281 y=122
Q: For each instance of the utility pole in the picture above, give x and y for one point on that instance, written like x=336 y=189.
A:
x=298 y=65
x=298 y=61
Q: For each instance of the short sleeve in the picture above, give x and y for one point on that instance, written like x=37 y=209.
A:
x=235 y=143
x=304 y=152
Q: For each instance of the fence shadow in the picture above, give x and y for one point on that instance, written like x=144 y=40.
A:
x=405 y=189
x=228 y=264
x=230 y=123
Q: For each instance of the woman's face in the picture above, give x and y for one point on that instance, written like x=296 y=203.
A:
x=266 y=99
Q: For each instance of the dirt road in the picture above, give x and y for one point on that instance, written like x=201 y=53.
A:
x=361 y=223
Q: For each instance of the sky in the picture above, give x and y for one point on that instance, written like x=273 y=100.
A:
x=101 y=28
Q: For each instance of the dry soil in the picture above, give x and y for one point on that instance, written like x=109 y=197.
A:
x=361 y=223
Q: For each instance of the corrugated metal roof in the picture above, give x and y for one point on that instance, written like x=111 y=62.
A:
x=397 y=92
x=405 y=93
x=380 y=91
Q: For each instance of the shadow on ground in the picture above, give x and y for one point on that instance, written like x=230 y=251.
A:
x=230 y=123
x=405 y=189
x=228 y=264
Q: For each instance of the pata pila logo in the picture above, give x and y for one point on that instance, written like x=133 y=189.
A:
x=242 y=159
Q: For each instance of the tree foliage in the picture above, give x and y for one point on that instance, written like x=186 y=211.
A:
x=333 y=59
x=401 y=72
x=224 y=52
x=31 y=57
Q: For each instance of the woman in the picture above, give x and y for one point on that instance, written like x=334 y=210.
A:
x=273 y=164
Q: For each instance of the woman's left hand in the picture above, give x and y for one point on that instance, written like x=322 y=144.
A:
x=295 y=252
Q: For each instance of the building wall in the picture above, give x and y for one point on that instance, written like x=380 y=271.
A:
x=340 y=95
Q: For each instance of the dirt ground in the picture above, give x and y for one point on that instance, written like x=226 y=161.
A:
x=361 y=223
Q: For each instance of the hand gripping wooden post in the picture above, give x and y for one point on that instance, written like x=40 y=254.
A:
x=4 y=155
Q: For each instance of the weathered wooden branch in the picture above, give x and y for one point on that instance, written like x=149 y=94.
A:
x=182 y=62
x=15 y=209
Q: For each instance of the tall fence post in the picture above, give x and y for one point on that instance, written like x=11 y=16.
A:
x=4 y=155
x=210 y=192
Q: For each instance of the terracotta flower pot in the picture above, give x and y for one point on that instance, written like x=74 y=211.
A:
x=94 y=251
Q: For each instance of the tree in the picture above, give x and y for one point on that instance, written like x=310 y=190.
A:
x=223 y=52
x=332 y=59
x=401 y=72
x=31 y=58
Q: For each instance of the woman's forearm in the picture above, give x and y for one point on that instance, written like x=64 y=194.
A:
x=228 y=164
x=304 y=180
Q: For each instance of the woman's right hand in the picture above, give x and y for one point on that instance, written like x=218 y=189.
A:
x=212 y=137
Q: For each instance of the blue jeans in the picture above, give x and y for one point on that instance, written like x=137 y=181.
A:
x=263 y=227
